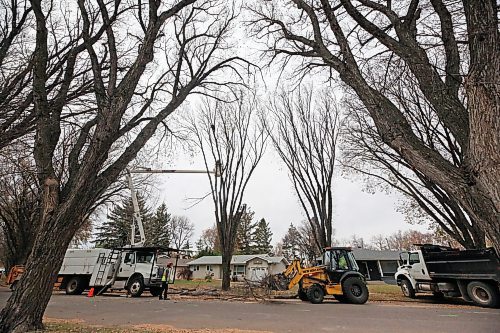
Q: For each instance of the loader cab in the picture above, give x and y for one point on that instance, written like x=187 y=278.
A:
x=339 y=260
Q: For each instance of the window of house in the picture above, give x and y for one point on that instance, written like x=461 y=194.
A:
x=196 y=268
x=239 y=270
x=209 y=268
x=389 y=267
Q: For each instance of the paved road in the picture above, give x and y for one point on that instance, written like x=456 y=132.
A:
x=293 y=316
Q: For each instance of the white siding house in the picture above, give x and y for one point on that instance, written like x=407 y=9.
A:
x=253 y=267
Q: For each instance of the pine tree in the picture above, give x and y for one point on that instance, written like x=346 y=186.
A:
x=157 y=230
x=244 y=233
x=262 y=237
x=115 y=231
x=291 y=242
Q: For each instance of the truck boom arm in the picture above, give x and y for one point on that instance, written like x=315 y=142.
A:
x=137 y=214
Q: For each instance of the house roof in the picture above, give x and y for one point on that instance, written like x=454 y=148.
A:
x=365 y=254
x=235 y=260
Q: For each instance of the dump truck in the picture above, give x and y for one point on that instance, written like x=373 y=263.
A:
x=337 y=275
x=473 y=275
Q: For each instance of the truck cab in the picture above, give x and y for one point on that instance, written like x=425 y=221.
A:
x=139 y=270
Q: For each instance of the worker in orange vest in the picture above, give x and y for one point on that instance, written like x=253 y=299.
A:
x=164 y=282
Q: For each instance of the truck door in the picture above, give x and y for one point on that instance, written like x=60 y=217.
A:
x=417 y=270
x=127 y=266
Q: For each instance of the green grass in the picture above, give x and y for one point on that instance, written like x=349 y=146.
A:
x=384 y=289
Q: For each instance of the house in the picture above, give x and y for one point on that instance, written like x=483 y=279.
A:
x=377 y=265
x=252 y=267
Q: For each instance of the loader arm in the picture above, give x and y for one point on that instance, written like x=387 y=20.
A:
x=295 y=272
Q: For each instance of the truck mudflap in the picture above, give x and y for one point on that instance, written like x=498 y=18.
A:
x=462 y=287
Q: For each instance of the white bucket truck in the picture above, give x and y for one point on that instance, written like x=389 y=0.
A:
x=134 y=269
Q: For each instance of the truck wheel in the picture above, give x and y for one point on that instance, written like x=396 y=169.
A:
x=136 y=287
x=13 y=286
x=155 y=291
x=355 y=290
x=303 y=295
x=315 y=294
x=407 y=288
x=483 y=294
x=75 y=286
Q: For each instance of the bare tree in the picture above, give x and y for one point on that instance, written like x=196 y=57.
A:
x=305 y=129
x=181 y=230
x=131 y=99
x=18 y=55
x=351 y=37
x=366 y=153
x=226 y=132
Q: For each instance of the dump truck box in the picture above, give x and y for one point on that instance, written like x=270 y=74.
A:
x=444 y=262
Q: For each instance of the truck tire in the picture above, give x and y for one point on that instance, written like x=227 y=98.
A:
x=155 y=291
x=315 y=294
x=407 y=288
x=483 y=294
x=13 y=286
x=136 y=286
x=303 y=295
x=75 y=286
x=355 y=290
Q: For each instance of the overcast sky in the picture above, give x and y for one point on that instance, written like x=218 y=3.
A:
x=270 y=194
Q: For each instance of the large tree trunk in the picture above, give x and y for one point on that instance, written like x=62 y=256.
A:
x=483 y=93
x=24 y=309
x=226 y=269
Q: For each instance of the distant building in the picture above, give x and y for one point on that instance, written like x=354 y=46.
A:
x=252 y=267
x=377 y=265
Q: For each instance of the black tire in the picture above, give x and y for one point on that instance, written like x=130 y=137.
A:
x=303 y=295
x=340 y=298
x=355 y=290
x=315 y=294
x=407 y=288
x=483 y=294
x=13 y=286
x=75 y=286
x=155 y=291
x=136 y=286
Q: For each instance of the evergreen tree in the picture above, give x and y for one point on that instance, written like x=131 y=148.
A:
x=115 y=231
x=157 y=230
x=262 y=237
x=245 y=233
x=291 y=242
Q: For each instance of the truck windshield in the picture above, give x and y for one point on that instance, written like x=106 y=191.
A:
x=145 y=257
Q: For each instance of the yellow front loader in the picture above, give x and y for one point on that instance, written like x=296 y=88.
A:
x=337 y=275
